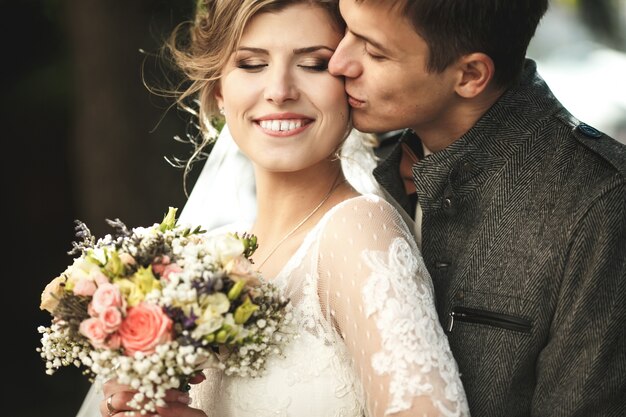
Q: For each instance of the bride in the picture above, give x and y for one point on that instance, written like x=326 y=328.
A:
x=368 y=342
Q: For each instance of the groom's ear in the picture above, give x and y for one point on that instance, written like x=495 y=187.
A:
x=476 y=70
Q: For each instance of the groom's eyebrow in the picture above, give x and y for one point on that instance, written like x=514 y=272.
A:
x=372 y=42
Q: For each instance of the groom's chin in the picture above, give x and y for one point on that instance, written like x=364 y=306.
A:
x=365 y=122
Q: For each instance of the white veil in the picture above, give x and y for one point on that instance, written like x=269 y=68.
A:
x=225 y=193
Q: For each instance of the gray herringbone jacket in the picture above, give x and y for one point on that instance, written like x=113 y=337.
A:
x=524 y=234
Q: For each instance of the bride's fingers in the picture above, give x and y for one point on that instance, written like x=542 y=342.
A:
x=196 y=379
x=176 y=396
x=118 y=396
x=176 y=409
x=116 y=402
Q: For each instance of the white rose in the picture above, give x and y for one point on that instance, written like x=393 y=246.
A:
x=211 y=319
x=225 y=247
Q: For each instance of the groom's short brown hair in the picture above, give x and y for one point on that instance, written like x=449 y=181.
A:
x=501 y=29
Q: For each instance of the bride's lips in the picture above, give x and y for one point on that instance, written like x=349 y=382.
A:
x=355 y=102
x=283 y=124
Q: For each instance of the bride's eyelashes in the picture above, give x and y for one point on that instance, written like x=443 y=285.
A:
x=316 y=65
x=253 y=65
x=250 y=65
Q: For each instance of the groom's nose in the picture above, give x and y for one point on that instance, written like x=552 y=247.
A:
x=345 y=60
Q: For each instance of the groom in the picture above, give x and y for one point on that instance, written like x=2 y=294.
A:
x=521 y=208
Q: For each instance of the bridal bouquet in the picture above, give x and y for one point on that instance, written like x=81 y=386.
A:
x=152 y=306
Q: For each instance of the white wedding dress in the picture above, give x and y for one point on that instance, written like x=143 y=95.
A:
x=368 y=340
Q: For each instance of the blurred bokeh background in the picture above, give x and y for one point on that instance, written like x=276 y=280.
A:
x=84 y=139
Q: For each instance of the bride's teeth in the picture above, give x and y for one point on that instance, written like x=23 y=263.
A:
x=280 y=125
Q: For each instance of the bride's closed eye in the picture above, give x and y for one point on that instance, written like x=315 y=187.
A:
x=251 y=64
x=316 y=65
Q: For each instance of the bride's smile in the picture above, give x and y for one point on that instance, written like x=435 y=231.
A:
x=284 y=109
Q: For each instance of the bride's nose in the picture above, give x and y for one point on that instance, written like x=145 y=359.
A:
x=281 y=87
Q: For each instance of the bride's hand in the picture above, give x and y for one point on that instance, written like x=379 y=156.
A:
x=117 y=397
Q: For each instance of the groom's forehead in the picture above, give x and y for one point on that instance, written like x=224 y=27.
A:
x=389 y=8
x=395 y=5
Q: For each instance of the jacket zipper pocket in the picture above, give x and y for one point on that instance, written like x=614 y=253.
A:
x=504 y=321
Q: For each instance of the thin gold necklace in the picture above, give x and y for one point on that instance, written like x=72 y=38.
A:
x=304 y=220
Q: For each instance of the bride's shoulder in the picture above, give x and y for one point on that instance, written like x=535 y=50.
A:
x=369 y=205
x=363 y=223
x=365 y=213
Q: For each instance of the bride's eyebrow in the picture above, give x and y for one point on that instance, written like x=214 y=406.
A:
x=297 y=51
x=250 y=49
x=309 y=49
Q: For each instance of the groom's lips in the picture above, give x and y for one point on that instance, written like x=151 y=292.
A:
x=355 y=102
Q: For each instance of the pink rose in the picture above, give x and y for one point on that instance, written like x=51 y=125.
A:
x=163 y=267
x=145 y=327
x=114 y=341
x=107 y=295
x=169 y=269
x=85 y=286
x=93 y=329
x=111 y=319
x=159 y=264
x=91 y=311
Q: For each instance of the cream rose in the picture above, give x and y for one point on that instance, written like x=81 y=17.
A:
x=51 y=294
x=226 y=247
x=241 y=268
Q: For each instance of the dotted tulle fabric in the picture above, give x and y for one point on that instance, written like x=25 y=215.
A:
x=368 y=340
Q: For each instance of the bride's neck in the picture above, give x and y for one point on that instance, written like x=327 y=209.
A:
x=283 y=199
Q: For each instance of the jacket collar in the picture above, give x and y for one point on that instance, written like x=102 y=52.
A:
x=508 y=126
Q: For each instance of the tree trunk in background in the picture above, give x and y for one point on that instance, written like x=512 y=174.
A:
x=117 y=150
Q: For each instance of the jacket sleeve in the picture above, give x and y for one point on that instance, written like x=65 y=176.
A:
x=582 y=369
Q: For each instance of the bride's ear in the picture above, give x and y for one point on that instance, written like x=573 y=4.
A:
x=219 y=100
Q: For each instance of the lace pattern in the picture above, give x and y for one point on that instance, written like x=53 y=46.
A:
x=409 y=328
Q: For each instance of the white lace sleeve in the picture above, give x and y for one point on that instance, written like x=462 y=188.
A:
x=378 y=296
